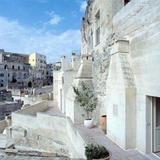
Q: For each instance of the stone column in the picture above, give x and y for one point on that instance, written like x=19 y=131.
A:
x=121 y=97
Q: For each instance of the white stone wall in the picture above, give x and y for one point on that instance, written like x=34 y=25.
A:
x=139 y=23
x=63 y=80
x=46 y=133
x=32 y=110
x=128 y=85
x=57 y=85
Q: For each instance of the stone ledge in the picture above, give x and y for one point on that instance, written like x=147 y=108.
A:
x=120 y=46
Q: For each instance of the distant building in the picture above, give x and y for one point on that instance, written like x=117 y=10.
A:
x=49 y=74
x=14 y=69
x=5 y=95
x=57 y=66
x=7 y=103
x=6 y=108
x=38 y=64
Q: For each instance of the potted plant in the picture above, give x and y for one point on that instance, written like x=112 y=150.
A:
x=86 y=98
x=94 y=152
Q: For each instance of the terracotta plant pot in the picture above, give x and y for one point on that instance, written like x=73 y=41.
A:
x=88 y=123
x=103 y=122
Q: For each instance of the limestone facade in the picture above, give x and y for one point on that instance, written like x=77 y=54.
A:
x=63 y=79
x=123 y=39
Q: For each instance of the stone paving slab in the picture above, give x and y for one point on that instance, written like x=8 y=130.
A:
x=96 y=135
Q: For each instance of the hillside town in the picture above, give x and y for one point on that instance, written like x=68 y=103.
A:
x=102 y=103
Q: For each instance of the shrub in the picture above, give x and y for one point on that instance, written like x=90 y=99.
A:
x=86 y=98
x=95 y=152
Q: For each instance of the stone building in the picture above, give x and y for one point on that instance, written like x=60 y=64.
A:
x=14 y=69
x=63 y=79
x=38 y=64
x=49 y=74
x=122 y=36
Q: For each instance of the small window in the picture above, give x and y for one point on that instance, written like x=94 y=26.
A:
x=97 y=35
x=126 y=1
x=91 y=40
x=1 y=74
x=5 y=67
x=97 y=28
x=62 y=80
x=98 y=15
x=18 y=67
x=13 y=67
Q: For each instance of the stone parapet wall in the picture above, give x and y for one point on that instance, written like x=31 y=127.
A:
x=76 y=139
x=42 y=132
x=32 y=110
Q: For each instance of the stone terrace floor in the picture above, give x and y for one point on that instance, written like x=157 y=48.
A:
x=95 y=135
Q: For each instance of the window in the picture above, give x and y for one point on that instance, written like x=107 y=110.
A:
x=97 y=35
x=18 y=67
x=1 y=74
x=91 y=39
x=13 y=67
x=97 y=29
x=62 y=80
x=5 y=67
x=126 y=1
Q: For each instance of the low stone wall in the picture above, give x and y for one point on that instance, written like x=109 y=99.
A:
x=47 y=132
x=43 y=96
x=76 y=139
x=32 y=110
x=47 y=96
x=40 y=132
x=52 y=126
x=3 y=125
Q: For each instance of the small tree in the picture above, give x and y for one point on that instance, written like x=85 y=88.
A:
x=86 y=98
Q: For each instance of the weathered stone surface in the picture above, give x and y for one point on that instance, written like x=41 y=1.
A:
x=125 y=76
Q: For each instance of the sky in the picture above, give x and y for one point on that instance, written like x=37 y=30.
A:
x=49 y=27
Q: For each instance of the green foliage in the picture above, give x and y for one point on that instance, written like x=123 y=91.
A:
x=86 y=98
x=95 y=152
